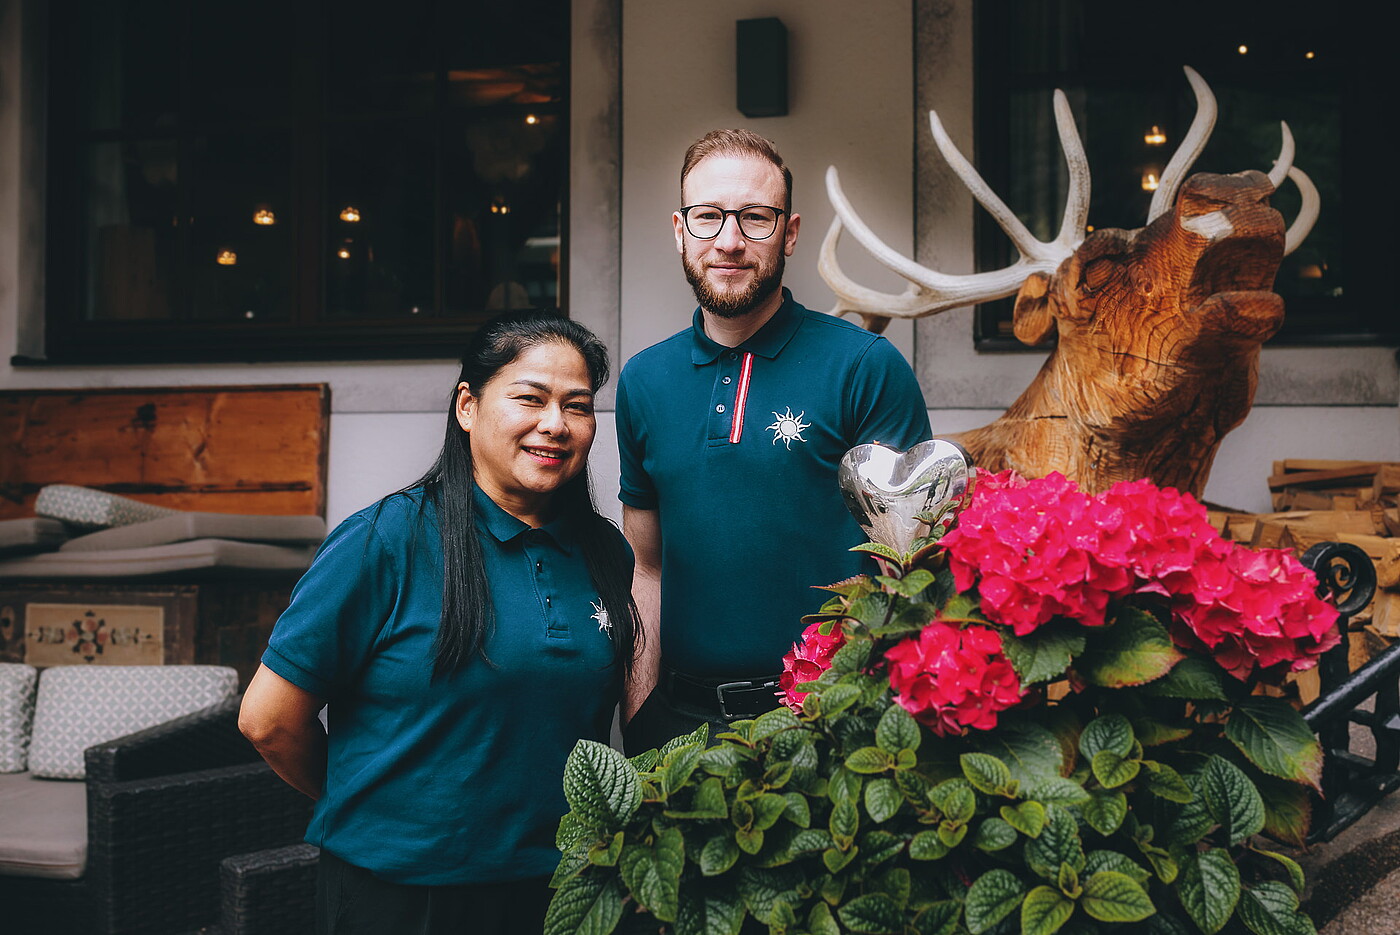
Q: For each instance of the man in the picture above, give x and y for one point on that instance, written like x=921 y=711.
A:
x=730 y=435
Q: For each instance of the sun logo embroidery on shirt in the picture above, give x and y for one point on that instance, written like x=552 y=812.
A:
x=789 y=427
x=600 y=614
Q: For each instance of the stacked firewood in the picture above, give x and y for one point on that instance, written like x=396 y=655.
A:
x=1335 y=501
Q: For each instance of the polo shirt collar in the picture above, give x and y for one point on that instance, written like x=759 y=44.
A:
x=768 y=341
x=562 y=530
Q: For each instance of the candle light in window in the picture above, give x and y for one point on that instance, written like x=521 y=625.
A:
x=1089 y=229
x=1156 y=137
x=500 y=207
x=1243 y=50
x=1149 y=181
x=343 y=253
x=226 y=258
x=1310 y=55
x=531 y=119
x=264 y=217
x=349 y=214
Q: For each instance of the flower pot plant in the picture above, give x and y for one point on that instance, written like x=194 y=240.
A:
x=1044 y=721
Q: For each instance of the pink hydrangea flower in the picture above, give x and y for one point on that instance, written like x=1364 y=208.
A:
x=953 y=679
x=808 y=659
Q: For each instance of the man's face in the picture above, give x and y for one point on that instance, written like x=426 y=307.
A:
x=732 y=275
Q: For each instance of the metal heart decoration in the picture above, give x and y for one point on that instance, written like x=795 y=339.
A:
x=885 y=488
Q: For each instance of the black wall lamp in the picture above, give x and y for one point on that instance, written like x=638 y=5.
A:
x=762 y=56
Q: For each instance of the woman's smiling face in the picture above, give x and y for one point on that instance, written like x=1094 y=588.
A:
x=530 y=428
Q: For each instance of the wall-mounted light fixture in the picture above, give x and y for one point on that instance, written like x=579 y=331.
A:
x=264 y=217
x=350 y=214
x=762 y=67
x=226 y=258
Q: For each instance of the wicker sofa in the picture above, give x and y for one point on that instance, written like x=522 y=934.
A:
x=134 y=842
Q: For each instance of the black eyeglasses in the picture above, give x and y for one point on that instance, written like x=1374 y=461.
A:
x=756 y=222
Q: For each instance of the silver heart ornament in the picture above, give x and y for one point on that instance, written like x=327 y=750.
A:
x=885 y=488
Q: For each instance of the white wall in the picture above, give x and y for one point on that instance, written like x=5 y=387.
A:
x=857 y=100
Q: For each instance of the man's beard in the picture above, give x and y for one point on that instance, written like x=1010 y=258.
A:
x=733 y=304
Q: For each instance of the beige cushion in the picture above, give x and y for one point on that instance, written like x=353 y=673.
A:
x=43 y=827
x=16 y=714
x=79 y=706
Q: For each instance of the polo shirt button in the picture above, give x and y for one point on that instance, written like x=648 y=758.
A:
x=727 y=380
x=719 y=408
x=732 y=356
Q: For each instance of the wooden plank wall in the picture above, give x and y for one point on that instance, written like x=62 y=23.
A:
x=219 y=449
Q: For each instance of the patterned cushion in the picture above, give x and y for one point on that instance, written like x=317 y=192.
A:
x=79 y=706
x=94 y=509
x=16 y=714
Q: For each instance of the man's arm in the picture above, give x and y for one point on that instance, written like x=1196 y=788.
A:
x=643 y=531
x=281 y=720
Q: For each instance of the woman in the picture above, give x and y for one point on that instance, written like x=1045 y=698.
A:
x=465 y=632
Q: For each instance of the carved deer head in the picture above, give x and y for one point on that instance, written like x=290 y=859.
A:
x=1159 y=328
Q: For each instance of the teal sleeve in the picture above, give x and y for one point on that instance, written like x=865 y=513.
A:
x=337 y=611
x=886 y=404
x=636 y=487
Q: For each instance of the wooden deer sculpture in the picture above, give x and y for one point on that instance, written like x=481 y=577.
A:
x=1159 y=328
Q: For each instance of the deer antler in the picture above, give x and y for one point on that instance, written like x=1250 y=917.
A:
x=931 y=291
x=1191 y=145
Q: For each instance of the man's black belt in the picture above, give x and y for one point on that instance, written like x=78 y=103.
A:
x=731 y=699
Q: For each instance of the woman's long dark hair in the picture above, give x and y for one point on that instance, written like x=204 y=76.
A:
x=449 y=484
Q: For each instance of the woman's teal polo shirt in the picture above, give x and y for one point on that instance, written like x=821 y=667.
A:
x=459 y=779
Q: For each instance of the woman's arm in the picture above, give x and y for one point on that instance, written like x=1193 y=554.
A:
x=282 y=721
x=643 y=531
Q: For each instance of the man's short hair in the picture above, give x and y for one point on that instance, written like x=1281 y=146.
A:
x=736 y=142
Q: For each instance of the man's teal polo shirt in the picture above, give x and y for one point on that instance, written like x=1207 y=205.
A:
x=453 y=780
x=737 y=449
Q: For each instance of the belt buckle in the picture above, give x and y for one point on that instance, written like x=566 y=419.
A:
x=743 y=685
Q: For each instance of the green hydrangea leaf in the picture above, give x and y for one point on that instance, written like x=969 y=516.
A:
x=1192 y=821
x=927 y=845
x=798 y=809
x=715 y=911
x=1209 y=887
x=570 y=865
x=1057 y=844
x=677 y=766
x=1026 y=817
x=606 y=855
x=1154 y=733
x=836 y=860
x=821 y=922
x=810 y=840
x=1068 y=882
x=880 y=549
x=992 y=897
x=879 y=846
x=1112 y=770
x=869 y=760
x=1191 y=679
x=882 y=799
x=1054 y=790
x=897 y=731
x=1099 y=861
x=938 y=918
x=952 y=833
x=1134 y=650
x=1271 y=908
x=986 y=773
x=709 y=802
x=720 y=760
x=588 y=904
x=572 y=832
x=1044 y=911
x=770 y=722
x=1105 y=811
x=1115 y=897
x=1030 y=752
x=750 y=841
x=853 y=657
x=838 y=698
x=1276 y=739
x=767 y=809
x=845 y=820
x=1164 y=782
x=872 y=914
x=1290 y=866
x=718 y=855
x=915 y=786
x=1287 y=810
x=1044 y=654
x=646 y=761
x=1161 y=860
x=700 y=735
x=1110 y=732
x=994 y=834
x=1232 y=799
x=955 y=799
x=602 y=788
x=844 y=786
x=653 y=873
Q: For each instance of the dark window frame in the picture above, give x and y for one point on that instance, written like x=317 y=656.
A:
x=1358 y=318
x=309 y=334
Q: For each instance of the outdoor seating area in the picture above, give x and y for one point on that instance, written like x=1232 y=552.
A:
x=123 y=789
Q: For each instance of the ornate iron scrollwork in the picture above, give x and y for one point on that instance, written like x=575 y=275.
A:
x=1353 y=778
